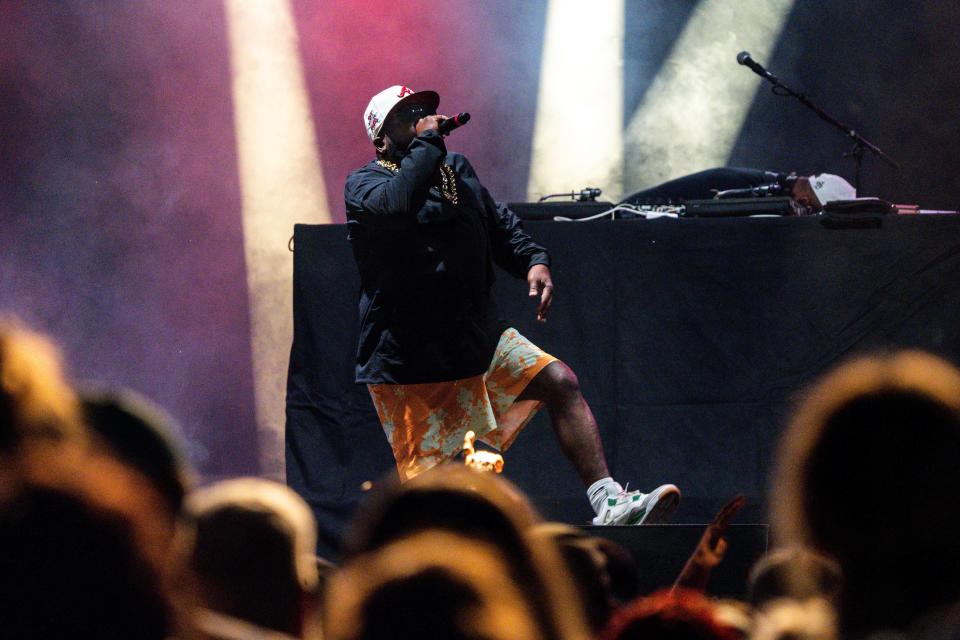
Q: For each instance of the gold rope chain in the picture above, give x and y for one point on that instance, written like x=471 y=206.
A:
x=448 y=186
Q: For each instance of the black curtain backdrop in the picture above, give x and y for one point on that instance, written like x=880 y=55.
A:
x=691 y=339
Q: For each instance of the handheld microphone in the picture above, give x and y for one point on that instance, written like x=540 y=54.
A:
x=744 y=58
x=450 y=124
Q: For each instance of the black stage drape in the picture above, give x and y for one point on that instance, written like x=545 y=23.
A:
x=691 y=339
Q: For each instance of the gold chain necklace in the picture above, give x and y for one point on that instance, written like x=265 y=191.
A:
x=448 y=182
x=449 y=187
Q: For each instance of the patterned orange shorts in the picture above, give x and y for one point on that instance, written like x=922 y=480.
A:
x=425 y=423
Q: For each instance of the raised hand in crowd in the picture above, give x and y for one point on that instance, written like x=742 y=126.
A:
x=711 y=549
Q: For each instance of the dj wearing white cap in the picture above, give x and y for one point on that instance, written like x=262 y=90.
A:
x=819 y=190
x=434 y=353
x=811 y=193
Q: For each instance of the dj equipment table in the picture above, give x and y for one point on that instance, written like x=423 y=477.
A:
x=690 y=339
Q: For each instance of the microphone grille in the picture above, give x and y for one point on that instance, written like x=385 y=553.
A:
x=742 y=57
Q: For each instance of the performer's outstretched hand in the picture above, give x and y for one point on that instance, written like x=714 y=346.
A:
x=541 y=285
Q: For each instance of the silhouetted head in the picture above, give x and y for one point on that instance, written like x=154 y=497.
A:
x=70 y=570
x=669 y=615
x=604 y=573
x=141 y=435
x=812 y=618
x=480 y=506
x=42 y=439
x=794 y=572
x=136 y=466
x=247 y=548
x=449 y=497
x=431 y=584
x=868 y=475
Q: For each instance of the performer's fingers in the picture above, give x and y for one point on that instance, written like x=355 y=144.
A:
x=547 y=297
x=545 y=301
x=535 y=286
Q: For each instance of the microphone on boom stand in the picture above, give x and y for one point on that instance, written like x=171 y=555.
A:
x=744 y=58
x=860 y=144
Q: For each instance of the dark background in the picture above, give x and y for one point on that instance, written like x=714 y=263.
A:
x=120 y=221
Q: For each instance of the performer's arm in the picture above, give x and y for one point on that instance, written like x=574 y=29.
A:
x=376 y=199
x=513 y=250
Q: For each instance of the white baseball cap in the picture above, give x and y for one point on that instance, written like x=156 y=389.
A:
x=383 y=104
x=829 y=187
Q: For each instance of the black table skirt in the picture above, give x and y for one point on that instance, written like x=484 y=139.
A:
x=691 y=339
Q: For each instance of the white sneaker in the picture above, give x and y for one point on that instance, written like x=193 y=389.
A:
x=634 y=507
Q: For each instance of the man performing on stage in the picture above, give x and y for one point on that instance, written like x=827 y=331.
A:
x=435 y=355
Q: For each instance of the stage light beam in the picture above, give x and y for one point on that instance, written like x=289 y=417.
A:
x=692 y=113
x=281 y=183
x=577 y=140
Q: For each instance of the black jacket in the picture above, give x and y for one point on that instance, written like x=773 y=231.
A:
x=426 y=267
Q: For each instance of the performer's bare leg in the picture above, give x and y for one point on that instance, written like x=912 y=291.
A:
x=573 y=422
x=579 y=437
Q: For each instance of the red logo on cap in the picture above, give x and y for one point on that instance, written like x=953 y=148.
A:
x=372 y=121
x=405 y=91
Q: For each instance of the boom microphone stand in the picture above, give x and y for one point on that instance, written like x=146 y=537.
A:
x=860 y=144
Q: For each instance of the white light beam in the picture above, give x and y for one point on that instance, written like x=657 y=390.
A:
x=281 y=184
x=577 y=140
x=693 y=111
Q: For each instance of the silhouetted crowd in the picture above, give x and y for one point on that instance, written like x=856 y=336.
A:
x=105 y=532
